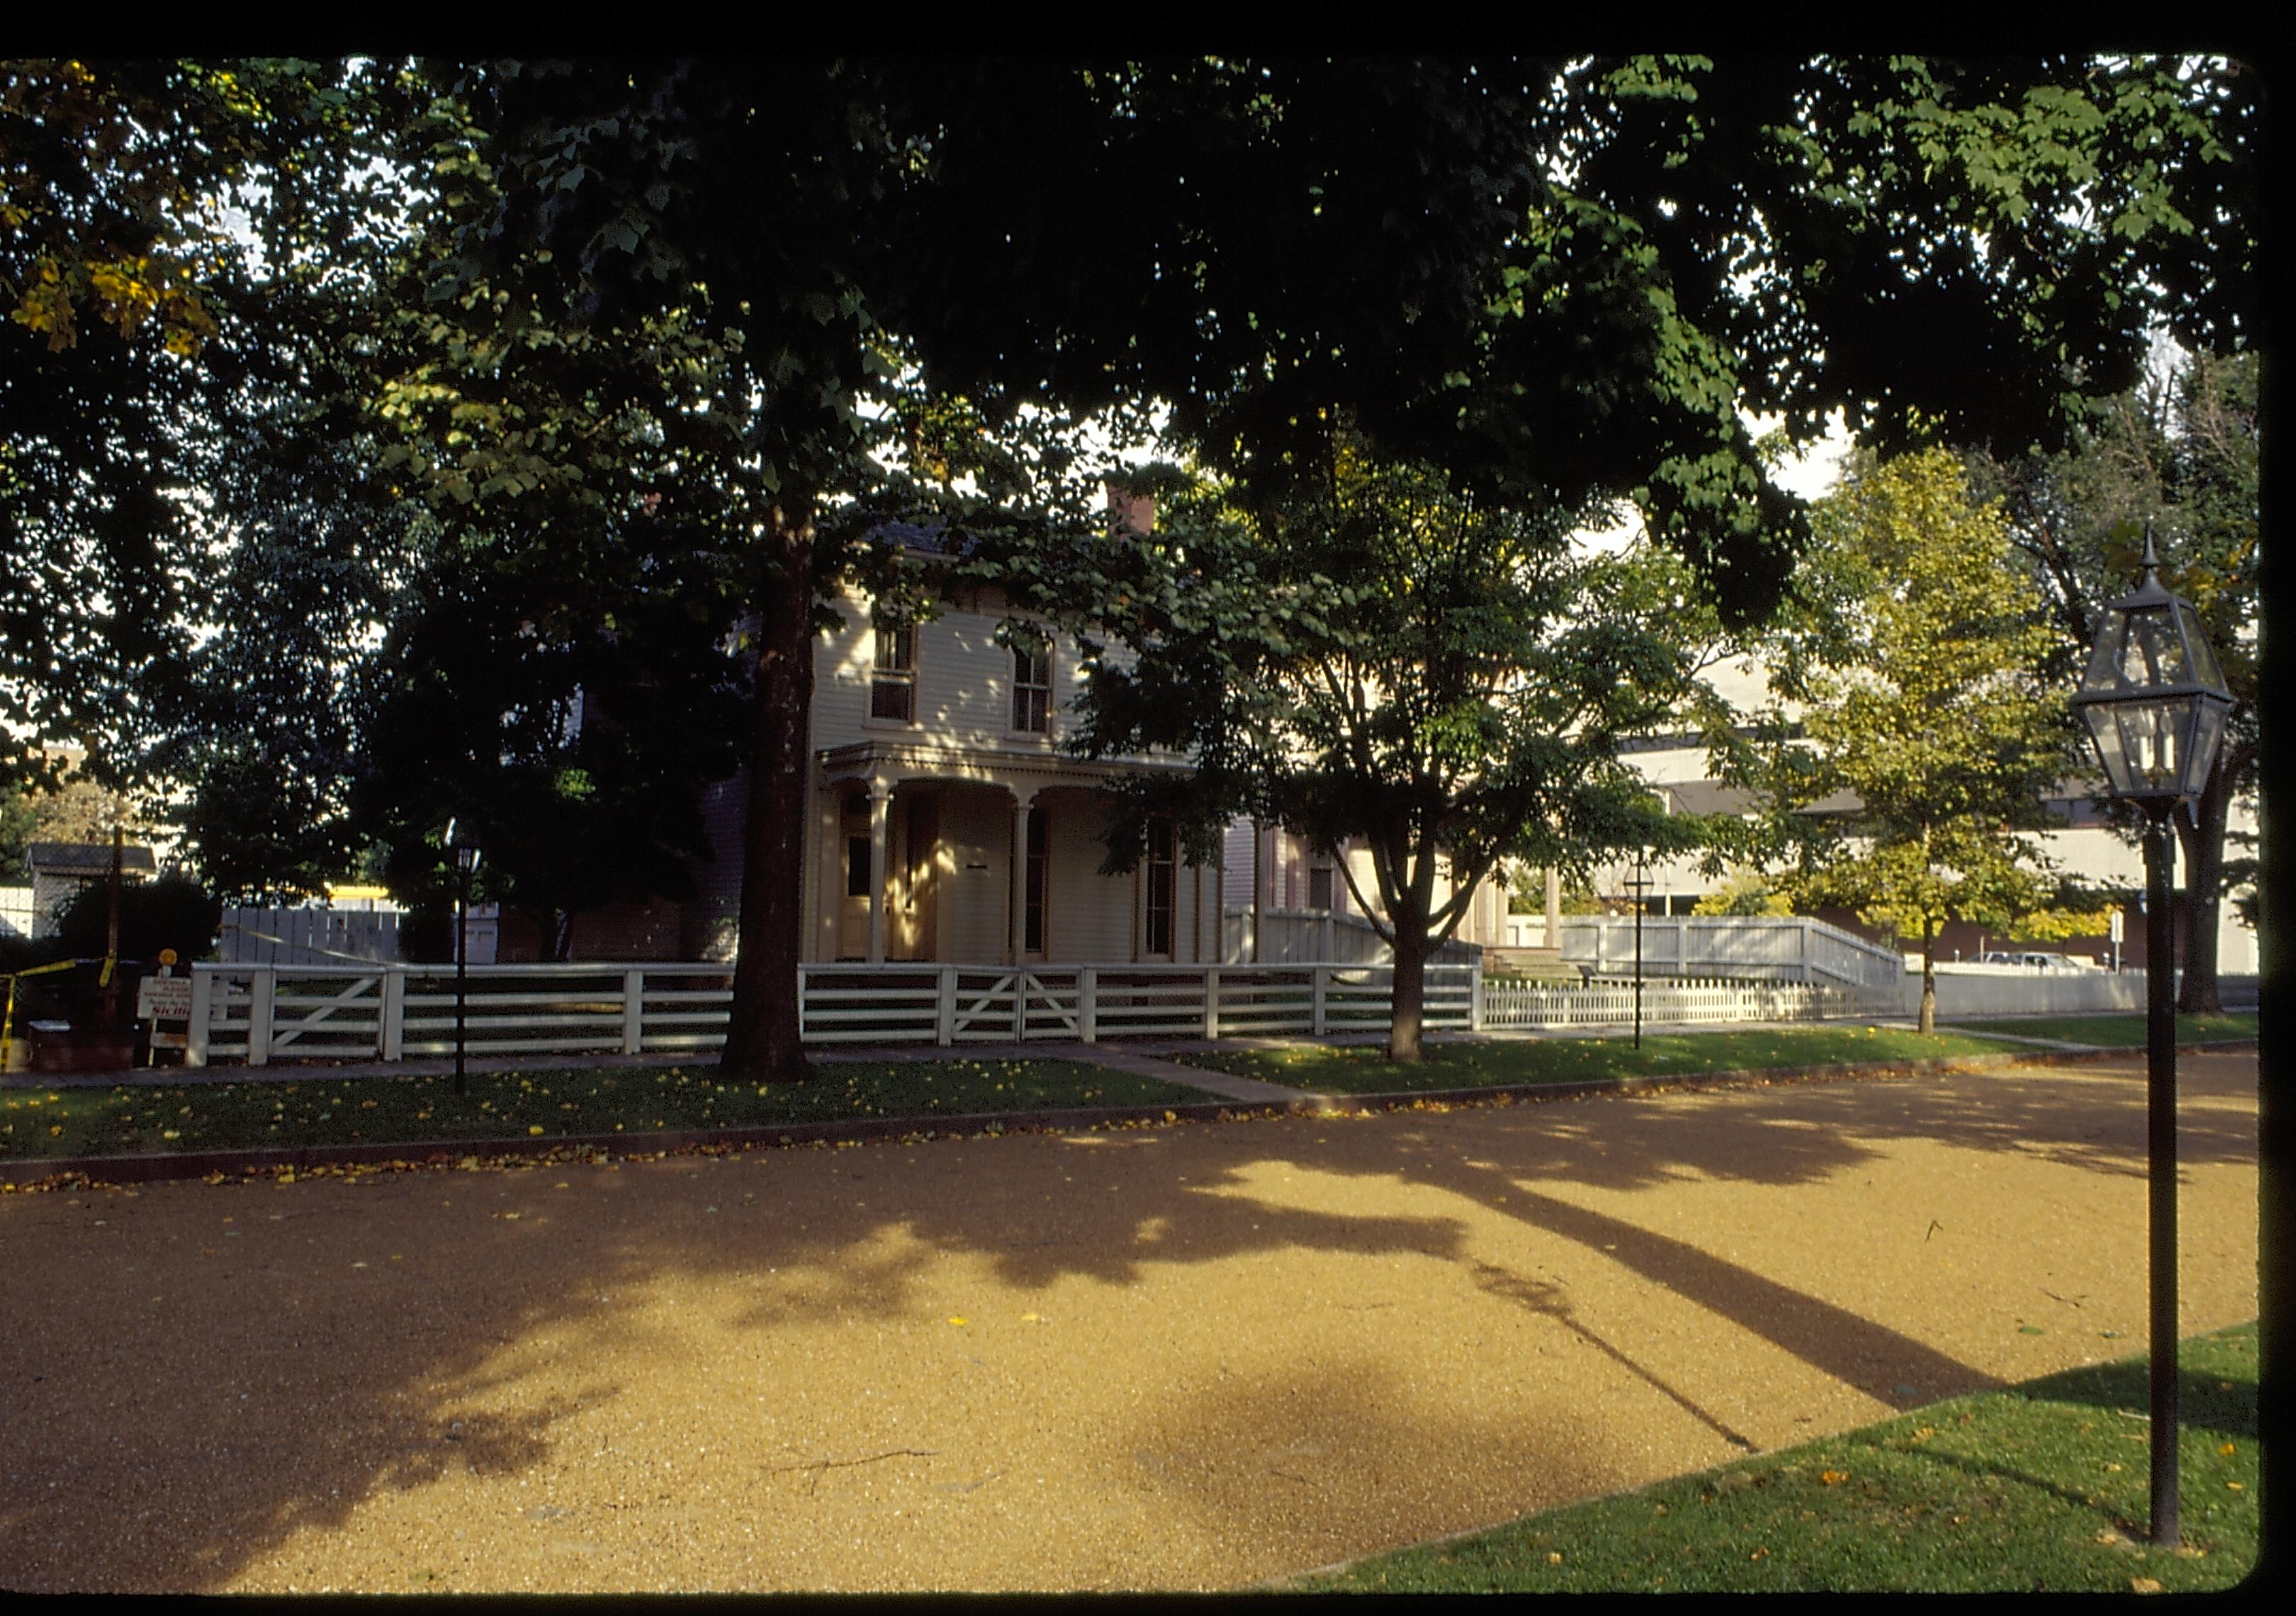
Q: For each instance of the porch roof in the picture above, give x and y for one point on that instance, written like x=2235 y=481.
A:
x=1023 y=773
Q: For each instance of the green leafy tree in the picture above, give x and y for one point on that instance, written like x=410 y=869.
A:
x=577 y=760
x=162 y=224
x=1385 y=661
x=1744 y=894
x=2182 y=452
x=652 y=301
x=1909 y=654
x=172 y=912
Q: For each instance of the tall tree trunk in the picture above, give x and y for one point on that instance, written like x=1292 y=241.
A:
x=1927 y=1021
x=1410 y=1001
x=2203 y=849
x=762 y=1042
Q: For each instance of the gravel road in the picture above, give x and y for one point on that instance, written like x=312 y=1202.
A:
x=1191 y=1357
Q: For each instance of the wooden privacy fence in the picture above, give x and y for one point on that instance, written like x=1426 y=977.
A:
x=260 y=1013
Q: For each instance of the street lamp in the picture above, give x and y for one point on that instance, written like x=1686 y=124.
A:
x=466 y=861
x=2155 y=701
x=1640 y=883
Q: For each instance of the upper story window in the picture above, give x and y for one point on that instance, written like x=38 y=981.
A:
x=1319 y=886
x=1032 y=689
x=893 y=680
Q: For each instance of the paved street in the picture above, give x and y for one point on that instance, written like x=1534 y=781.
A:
x=1191 y=1357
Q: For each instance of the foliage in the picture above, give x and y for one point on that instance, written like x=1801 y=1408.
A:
x=1384 y=661
x=576 y=759
x=58 y=803
x=645 y=307
x=1910 y=654
x=2182 y=453
x=1748 y=892
x=172 y=912
x=158 y=219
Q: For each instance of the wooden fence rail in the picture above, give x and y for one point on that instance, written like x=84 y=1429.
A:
x=259 y=1013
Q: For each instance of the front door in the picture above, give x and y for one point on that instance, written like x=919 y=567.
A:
x=918 y=908
x=853 y=907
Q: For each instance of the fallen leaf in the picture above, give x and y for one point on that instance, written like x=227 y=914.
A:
x=2142 y=1584
x=959 y=1321
x=2227 y=1448
x=1760 y=1554
x=1831 y=1477
x=1554 y=1559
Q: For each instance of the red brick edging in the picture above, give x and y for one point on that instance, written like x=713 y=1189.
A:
x=155 y=1165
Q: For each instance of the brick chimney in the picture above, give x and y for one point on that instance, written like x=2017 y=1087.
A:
x=1138 y=510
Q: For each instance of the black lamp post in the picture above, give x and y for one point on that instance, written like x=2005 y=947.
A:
x=1641 y=885
x=2155 y=702
x=466 y=861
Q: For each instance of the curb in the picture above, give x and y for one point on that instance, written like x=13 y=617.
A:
x=95 y=1171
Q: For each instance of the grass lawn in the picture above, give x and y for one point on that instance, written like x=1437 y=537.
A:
x=57 y=1122
x=2034 y=1487
x=2125 y=1032
x=1363 y=1068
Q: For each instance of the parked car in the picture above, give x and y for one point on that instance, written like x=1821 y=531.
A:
x=2037 y=962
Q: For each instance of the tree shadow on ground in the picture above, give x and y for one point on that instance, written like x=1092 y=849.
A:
x=199 y=1378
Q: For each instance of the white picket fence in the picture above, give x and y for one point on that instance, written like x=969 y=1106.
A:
x=1667 y=1001
x=260 y=1013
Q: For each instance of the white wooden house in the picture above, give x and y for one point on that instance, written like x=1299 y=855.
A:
x=947 y=824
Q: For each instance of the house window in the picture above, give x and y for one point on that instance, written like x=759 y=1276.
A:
x=1319 y=886
x=856 y=867
x=893 y=681
x=1032 y=689
x=1032 y=915
x=1162 y=886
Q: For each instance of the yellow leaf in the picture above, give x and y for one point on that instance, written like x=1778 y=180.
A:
x=2227 y=1448
x=535 y=1128
x=959 y=1321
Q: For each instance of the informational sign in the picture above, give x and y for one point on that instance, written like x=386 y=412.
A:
x=164 y=998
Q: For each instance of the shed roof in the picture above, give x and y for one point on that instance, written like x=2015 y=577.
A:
x=57 y=857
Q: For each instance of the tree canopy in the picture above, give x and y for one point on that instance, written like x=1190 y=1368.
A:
x=2180 y=452
x=1384 y=660
x=1910 y=714
x=611 y=317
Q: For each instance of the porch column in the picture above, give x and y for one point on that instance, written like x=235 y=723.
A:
x=1017 y=941
x=1554 y=909
x=880 y=802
